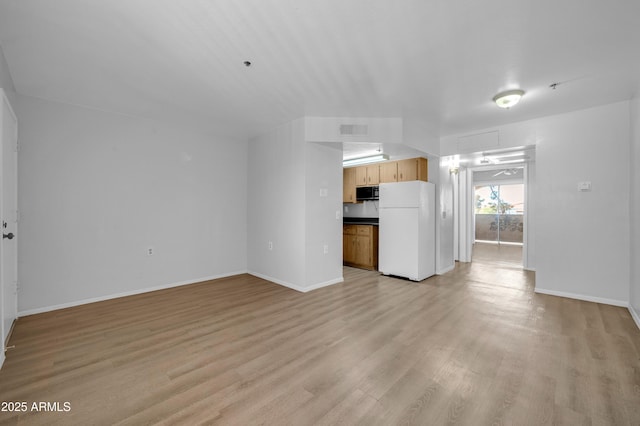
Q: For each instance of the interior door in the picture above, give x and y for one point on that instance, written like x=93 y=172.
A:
x=8 y=209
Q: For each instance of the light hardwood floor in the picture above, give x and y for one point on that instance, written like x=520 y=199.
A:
x=503 y=255
x=475 y=346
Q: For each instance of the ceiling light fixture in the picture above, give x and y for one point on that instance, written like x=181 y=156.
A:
x=365 y=160
x=509 y=98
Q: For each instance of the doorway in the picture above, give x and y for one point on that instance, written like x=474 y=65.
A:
x=499 y=221
x=509 y=233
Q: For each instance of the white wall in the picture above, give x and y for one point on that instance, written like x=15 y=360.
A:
x=583 y=237
x=96 y=189
x=508 y=136
x=364 y=209
x=276 y=205
x=419 y=135
x=386 y=130
x=6 y=82
x=323 y=171
x=634 y=290
x=285 y=207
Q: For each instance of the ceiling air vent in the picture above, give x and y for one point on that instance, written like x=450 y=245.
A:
x=354 y=129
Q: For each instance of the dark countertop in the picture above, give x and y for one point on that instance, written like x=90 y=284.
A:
x=360 y=221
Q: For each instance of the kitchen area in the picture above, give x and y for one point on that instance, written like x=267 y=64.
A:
x=389 y=218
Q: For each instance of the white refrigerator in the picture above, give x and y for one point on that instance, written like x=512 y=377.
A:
x=407 y=244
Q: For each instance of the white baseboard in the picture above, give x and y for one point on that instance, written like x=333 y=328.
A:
x=614 y=302
x=635 y=315
x=324 y=284
x=297 y=287
x=446 y=269
x=124 y=294
x=530 y=269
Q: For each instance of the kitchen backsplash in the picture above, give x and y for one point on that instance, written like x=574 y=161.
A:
x=364 y=209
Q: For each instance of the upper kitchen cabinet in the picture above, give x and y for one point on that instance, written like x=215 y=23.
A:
x=412 y=169
x=388 y=172
x=404 y=170
x=349 y=185
x=368 y=175
x=373 y=174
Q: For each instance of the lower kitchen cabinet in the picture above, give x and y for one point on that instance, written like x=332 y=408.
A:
x=360 y=246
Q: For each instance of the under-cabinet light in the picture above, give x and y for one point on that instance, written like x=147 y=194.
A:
x=365 y=160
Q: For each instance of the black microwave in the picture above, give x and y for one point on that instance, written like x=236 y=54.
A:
x=367 y=193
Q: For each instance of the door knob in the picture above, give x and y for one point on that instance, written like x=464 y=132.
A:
x=9 y=236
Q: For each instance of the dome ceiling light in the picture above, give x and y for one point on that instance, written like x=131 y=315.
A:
x=508 y=99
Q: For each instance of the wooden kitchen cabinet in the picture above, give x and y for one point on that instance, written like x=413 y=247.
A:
x=412 y=169
x=373 y=174
x=368 y=175
x=360 y=246
x=349 y=244
x=349 y=185
x=361 y=176
x=388 y=172
x=404 y=170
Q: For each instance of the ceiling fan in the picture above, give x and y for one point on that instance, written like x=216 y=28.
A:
x=506 y=172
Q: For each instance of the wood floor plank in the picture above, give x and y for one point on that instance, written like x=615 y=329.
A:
x=474 y=346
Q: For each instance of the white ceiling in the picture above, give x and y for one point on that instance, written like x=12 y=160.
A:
x=440 y=61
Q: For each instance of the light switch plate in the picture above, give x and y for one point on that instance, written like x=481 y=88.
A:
x=584 y=186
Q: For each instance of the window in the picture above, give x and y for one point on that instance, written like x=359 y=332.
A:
x=499 y=212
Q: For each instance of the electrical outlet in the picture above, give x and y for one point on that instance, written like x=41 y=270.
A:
x=150 y=251
x=270 y=245
x=326 y=249
x=337 y=214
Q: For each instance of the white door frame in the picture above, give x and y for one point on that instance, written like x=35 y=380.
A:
x=14 y=226
x=465 y=215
